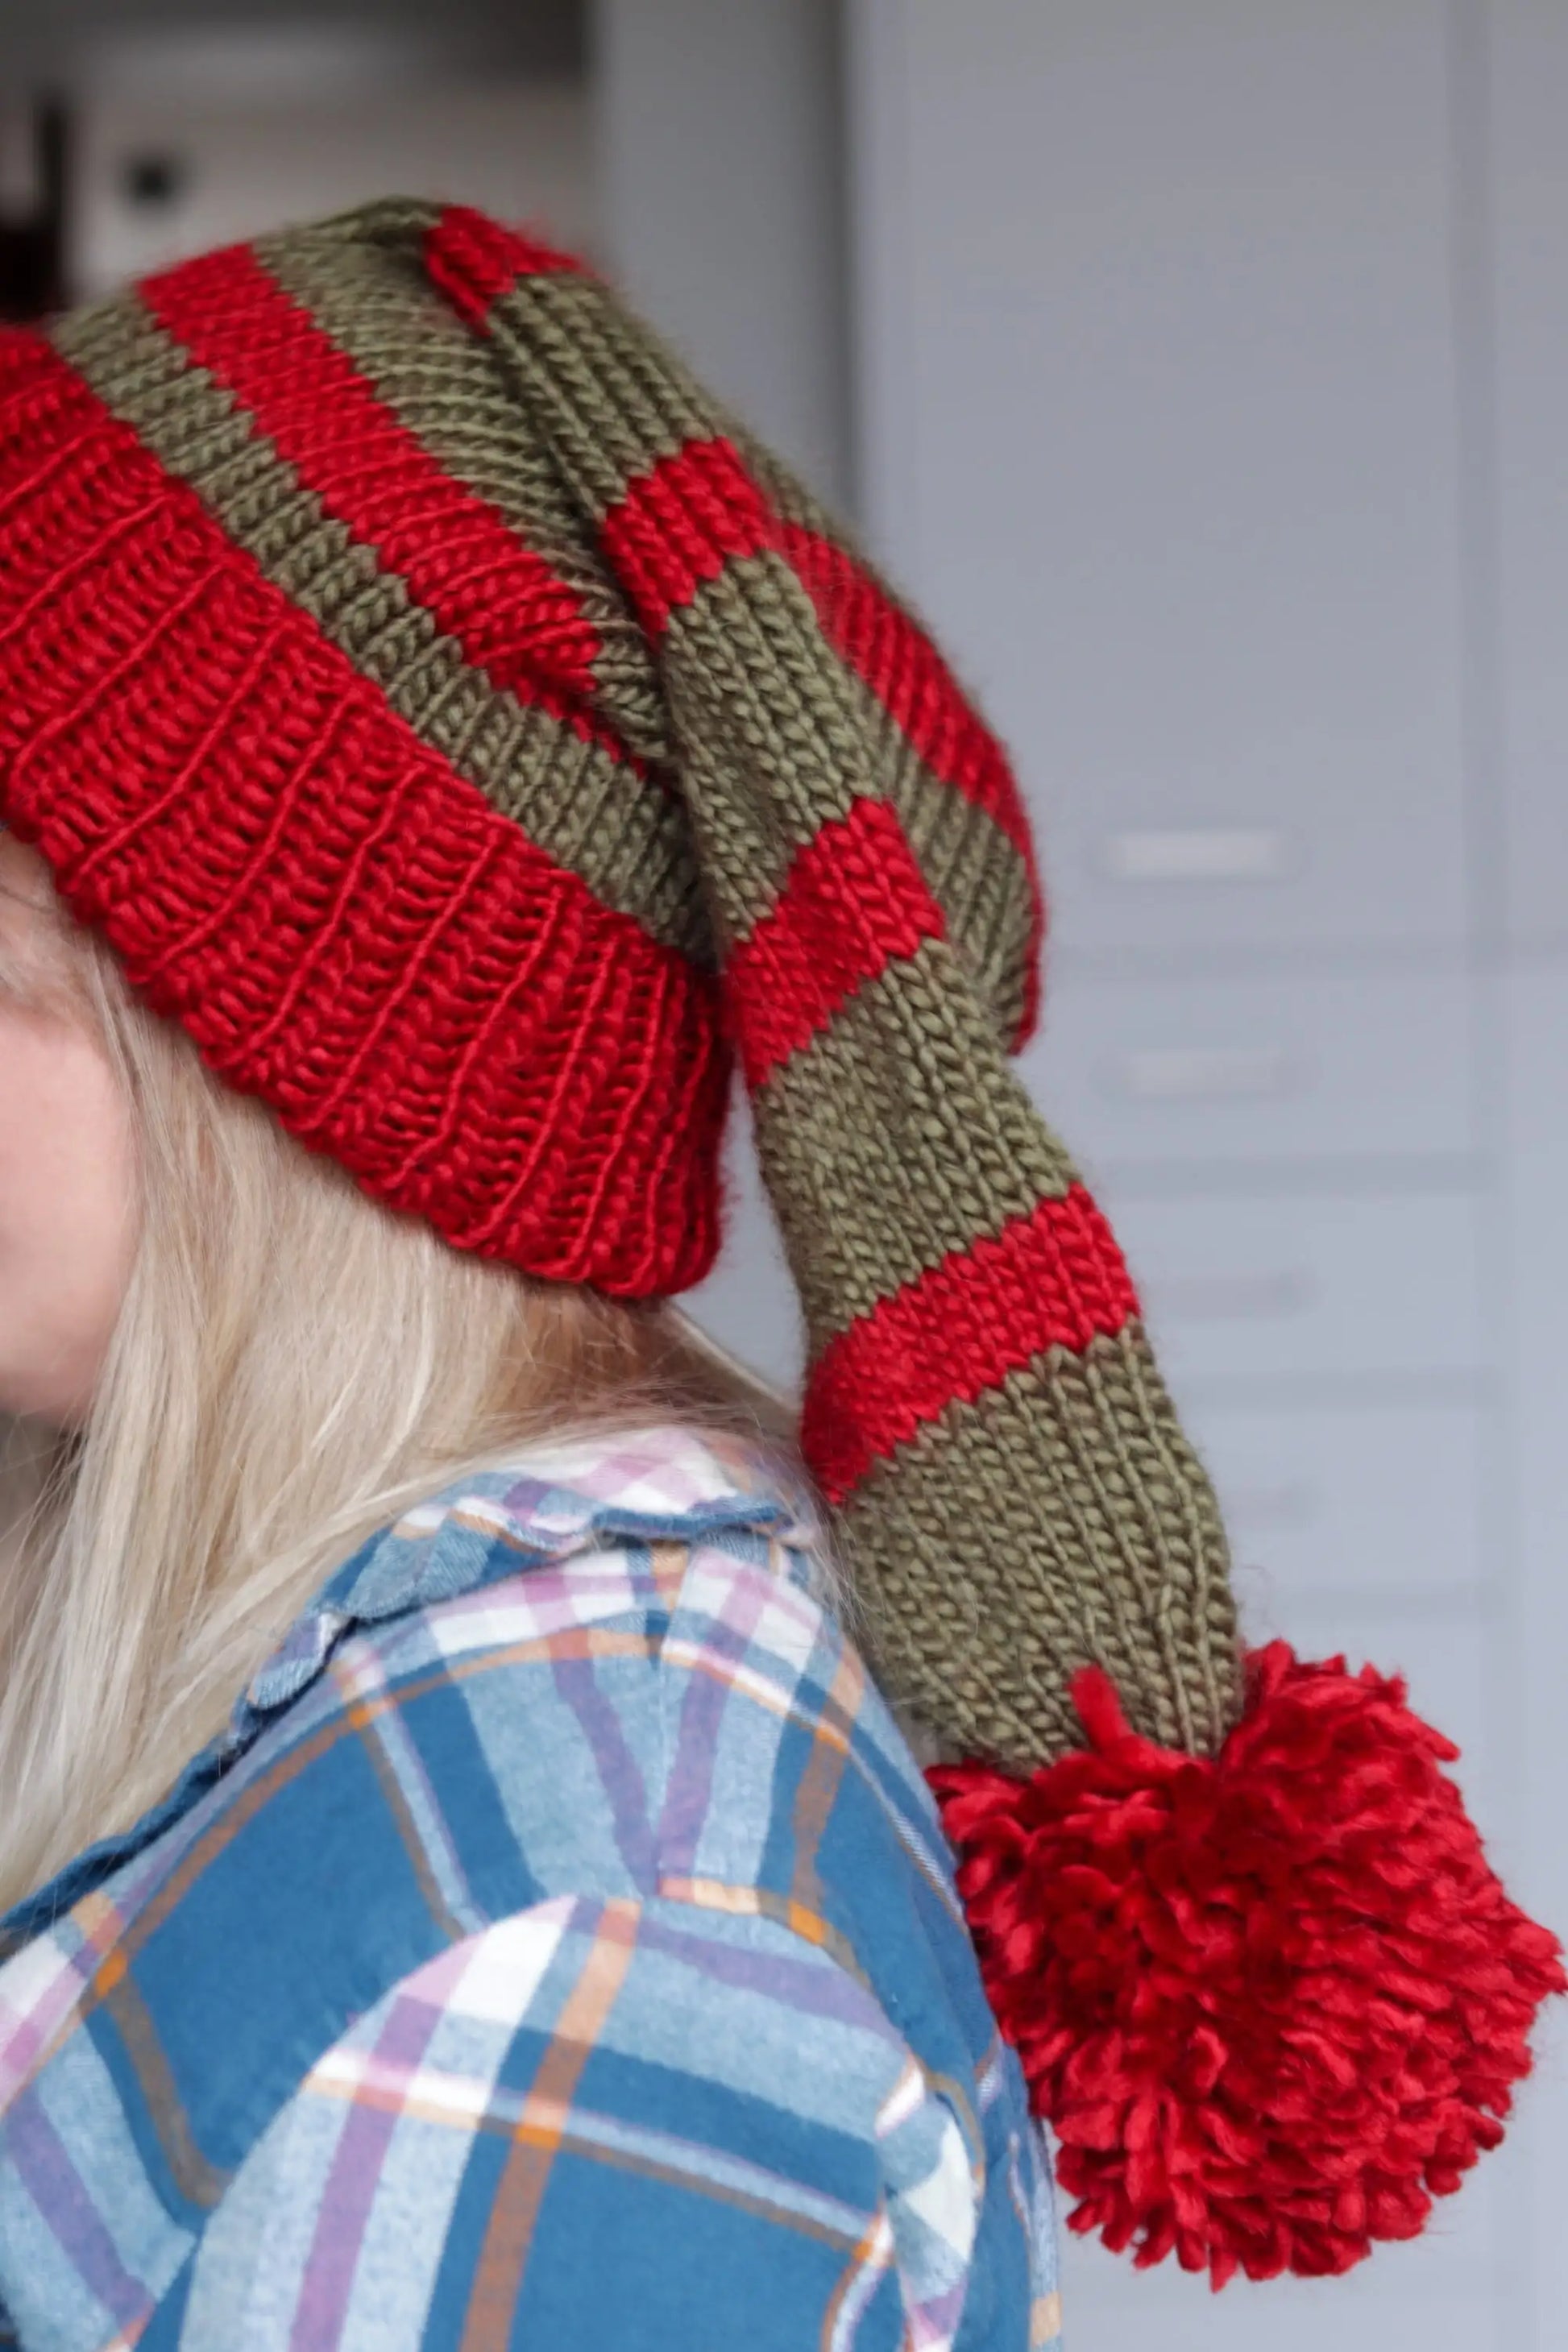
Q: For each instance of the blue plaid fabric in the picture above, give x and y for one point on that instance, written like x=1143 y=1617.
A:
x=560 y=1949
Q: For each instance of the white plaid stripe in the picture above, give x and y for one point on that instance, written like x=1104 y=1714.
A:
x=39 y=1991
x=872 y=2262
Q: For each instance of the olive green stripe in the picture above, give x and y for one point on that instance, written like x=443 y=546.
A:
x=621 y=834
x=749 y=668
x=748 y=672
x=616 y=399
x=1060 y=1519
x=973 y=869
x=896 y=1137
x=756 y=669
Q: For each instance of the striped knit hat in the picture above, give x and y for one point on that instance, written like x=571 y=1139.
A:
x=472 y=738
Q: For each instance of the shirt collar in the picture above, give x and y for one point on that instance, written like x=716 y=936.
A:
x=651 y=1485
x=639 y=1486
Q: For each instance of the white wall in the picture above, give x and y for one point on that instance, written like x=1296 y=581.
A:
x=719 y=157
x=1212 y=362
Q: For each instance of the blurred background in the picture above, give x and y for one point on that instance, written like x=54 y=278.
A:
x=1200 y=367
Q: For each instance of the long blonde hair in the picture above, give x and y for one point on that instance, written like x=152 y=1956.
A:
x=293 y=1366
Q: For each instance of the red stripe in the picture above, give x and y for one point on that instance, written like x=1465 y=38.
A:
x=855 y=900
x=1054 y=1278
x=679 y=525
x=903 y=669
x=499 y=600
x=474 y=260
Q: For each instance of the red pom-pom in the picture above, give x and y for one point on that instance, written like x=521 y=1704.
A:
x=1270 y=2004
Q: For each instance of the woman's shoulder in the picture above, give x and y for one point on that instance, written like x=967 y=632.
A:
x=617 y=1669
x=585 y=1729
x=610 y=1669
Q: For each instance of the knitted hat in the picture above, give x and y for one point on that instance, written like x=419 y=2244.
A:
x=463 y=729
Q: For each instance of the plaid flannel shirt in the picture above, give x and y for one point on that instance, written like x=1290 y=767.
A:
x=559 y=1950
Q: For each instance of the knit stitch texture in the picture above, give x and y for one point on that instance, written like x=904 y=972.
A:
x=456 y=722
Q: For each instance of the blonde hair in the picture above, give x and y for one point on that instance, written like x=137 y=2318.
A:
x=292 y=1368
